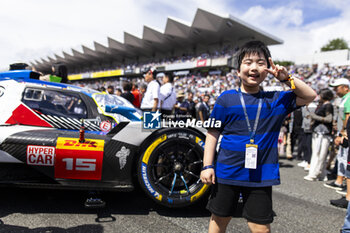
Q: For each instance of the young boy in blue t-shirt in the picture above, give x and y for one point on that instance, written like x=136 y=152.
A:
x=247 y=161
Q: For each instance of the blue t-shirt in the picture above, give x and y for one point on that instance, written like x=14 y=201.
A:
x=231 y=157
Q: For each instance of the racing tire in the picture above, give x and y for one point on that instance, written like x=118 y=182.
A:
x=170 y=165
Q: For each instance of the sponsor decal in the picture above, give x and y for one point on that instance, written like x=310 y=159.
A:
x=107 y=73
x=74 y=144
x=128 y=71
x=75 y=77
x=75 y=160
x=105 y=126
x=202 y=62
x=41 y=155
x=150 y=149
x=123 y=155
x=148 y=185
x=199 y=193
x=200 y=142
x=151 y=120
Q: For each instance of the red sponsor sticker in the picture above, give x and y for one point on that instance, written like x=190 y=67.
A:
x=41 y=155
x=202 y=62
x=105 y=126
x=75 y=160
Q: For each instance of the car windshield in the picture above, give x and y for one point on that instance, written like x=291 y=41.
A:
x=104 y=100
x=113 y=100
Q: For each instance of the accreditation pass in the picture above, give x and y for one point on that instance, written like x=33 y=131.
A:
x=251 y=156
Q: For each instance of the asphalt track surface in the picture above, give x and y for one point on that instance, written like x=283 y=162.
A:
x=300 y=206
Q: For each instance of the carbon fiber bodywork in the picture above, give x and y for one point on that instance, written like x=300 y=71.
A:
x=116 y=169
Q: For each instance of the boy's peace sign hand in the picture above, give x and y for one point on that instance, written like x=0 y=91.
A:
x=280 y=72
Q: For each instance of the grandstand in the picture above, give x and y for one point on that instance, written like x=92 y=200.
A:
x=208 y=43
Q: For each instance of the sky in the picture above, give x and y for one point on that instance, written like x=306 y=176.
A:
x=34 y=29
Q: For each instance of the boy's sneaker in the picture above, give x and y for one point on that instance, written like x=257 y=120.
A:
x=334 y=185
x=342 y=203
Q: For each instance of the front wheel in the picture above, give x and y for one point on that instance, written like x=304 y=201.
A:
x=170 y=165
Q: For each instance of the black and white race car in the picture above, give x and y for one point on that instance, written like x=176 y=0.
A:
x=43 y=143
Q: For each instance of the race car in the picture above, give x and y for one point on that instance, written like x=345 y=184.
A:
x=55 y=135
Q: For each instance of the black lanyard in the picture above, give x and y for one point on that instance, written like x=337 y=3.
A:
x=252 y=132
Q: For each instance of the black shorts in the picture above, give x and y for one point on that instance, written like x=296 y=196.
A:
x=257 y=202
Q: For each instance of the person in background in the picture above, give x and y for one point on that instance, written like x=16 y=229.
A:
x=167 y=95
x=118 y=92
x=341 y=87
x=297 y=134
x=345 y=143
x=289 y=152
x=150 y=100
x=59 y=74
x=102 y=89
x=322 y=135
x=192 y=105
x=110 y=90
x=60 y=70
x=181 y=107
x=204 y=109
x=282 y=138
x=332 y=163
x=282 y=141
x=143 y=90
x=137 y=95
x=127 y=92
x=304 y=147
x=198 y=102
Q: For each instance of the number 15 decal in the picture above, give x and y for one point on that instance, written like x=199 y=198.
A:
x=80 y=164
x=78 y=161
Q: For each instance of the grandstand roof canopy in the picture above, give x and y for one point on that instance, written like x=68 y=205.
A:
x=209 y=32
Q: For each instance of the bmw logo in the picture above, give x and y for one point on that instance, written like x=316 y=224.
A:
x=2 y=91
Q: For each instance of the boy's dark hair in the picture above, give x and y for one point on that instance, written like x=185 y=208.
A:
x=170 y=76
x=253 y=47
x=326 y=94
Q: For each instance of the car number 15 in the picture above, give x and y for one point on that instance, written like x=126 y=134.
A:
x=80 y=164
